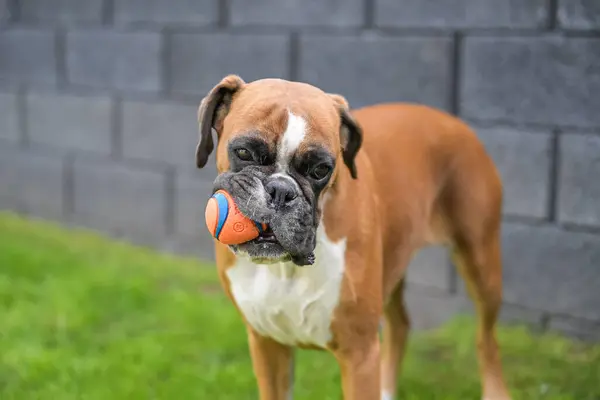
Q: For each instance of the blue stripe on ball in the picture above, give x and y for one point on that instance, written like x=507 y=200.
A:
x=258 y=226
x=223 y=207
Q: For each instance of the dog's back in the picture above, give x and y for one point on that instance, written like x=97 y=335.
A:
x=432 y=175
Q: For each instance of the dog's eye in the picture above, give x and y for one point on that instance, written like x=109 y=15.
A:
x=320 y=171
x=243 y=154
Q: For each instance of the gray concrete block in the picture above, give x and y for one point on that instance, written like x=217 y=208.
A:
x=199 y=61
x=117 y=198
x=192 y=191
x=511 y=314
x=338 y=13
x=461 y=13
x=431 y=267
x=371 y=69
x=546 y=80
x=552 y=270
x=576 y=328
x=9 y=177
x=31 y=182
x=115 y=60
x=63 y=11
x=204 y=250
x=429 y=309
x=579 y=182
x=579 y=14
x=523 y=159
x=9 y=117
x=28 y=57
x=70 y=122
x=5 y=13
x=196 y=12
x=160 y=132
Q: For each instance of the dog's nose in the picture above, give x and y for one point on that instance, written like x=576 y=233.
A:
x=281 y=190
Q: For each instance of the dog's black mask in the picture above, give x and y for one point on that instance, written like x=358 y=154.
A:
x=287 y=202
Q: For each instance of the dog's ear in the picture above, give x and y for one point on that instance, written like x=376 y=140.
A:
x=211 y=113
x=350 y=133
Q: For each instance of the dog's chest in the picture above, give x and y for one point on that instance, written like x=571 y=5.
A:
x=291 y=304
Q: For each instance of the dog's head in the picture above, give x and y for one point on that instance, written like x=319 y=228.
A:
x=281 y=146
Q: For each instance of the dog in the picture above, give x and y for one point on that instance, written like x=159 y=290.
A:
x=349 y=197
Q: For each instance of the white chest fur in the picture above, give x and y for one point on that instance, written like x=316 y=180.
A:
x=288 y=303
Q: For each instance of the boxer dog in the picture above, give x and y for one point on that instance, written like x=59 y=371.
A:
x=349 y=198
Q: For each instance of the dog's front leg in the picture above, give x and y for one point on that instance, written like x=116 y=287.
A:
x=360 y=369
x=272 y=364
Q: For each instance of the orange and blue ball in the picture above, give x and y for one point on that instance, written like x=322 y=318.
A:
x=226 y=223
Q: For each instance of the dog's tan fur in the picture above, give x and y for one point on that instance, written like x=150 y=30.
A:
x=423 y=178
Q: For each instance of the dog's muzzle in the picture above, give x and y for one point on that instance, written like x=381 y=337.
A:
x=277 y=201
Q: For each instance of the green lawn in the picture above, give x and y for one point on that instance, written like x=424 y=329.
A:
x=83 y=317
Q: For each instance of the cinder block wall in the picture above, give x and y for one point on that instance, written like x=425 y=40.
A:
x=98 y=118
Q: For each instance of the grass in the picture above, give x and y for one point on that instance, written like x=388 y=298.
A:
x=83 y=317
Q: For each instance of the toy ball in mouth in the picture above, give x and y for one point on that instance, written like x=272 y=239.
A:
x=226 y=222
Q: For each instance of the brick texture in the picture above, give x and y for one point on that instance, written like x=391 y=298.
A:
x=115 y=84
x=551 y=270
x=9 y=117
x=461 y=13
x=338 y=13
x=579 y=185
x=546 y=80
x=70 y=122
x=430 y=309
x=524 y=161
x=114 y=60
x=117 y=198
x=4 y=11
x=574 y=327
x=512 y=314
x=431 y=267
x=200 y=61
x=192 y=191
x=160 y=132
x=9 y=179
x=416 y=69
x=27 y=57
x=193 y=188
x=579 y=14
x=196 y=12
x=64 y=11
x=31 y=182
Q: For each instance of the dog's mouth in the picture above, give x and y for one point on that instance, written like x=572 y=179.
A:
x=266 y=243
x=264 y=248
x=266 y=236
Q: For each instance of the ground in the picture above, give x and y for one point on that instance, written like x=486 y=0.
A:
x=84 y=317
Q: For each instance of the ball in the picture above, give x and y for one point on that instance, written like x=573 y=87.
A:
x=226 y=223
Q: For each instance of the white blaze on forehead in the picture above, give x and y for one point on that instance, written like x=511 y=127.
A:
x=290 y=140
